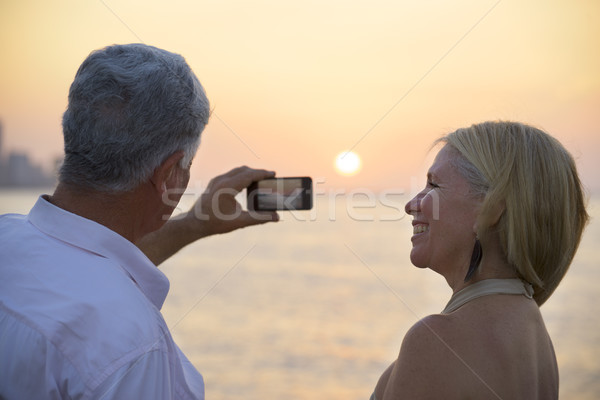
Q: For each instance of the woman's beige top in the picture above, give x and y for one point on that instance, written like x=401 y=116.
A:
x=487 y=287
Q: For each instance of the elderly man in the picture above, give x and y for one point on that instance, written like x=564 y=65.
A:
x=79 y=301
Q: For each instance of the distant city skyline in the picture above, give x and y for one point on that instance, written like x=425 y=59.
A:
x=17 y=169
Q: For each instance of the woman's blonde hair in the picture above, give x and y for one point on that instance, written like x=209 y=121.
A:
x=531 y=179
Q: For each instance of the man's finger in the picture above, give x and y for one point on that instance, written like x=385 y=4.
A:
x=244 y=176
x=258 y=217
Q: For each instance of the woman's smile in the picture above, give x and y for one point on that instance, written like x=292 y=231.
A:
x=419 y=228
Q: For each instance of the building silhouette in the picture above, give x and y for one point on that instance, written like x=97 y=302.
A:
x=17 y=170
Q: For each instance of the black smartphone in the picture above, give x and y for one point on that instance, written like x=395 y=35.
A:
x=280 y=194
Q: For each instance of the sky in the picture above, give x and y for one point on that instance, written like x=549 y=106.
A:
x=292 y=84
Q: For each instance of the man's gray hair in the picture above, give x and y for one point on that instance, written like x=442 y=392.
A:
x=130 y=108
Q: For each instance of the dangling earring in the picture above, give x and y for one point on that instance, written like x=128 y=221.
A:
x=475 y=259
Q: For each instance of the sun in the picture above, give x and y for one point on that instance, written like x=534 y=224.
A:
x=347 y=163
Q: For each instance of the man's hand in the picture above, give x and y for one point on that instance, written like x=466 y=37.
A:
x=216 y=211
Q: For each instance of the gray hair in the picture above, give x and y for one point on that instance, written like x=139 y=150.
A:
x=130 y=108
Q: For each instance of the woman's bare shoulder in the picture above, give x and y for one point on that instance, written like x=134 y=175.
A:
x=429 y=361
x=449 y=356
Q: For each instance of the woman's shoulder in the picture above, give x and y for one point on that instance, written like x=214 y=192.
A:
x=496 y=327
x=427 y=355
x=436 y=344
x=429 y=331
x=436 y=330
x=455 y=351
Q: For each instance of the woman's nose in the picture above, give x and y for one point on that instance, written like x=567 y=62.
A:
x=414 y=204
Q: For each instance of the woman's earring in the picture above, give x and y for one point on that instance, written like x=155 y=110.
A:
x=475 y=259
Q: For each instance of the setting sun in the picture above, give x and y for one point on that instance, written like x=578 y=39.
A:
x=347 y=163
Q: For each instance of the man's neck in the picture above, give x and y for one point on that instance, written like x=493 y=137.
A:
x=119 y=212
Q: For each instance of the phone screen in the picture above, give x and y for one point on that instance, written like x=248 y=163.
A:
x=280 y=194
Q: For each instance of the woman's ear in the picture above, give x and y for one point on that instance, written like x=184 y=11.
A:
x=495 y=212
x=162 y=177
x=490 y=216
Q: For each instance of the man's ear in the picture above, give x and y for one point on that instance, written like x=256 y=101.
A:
x=163 y=174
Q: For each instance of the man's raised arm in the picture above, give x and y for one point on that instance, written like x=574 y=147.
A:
x=215 y=212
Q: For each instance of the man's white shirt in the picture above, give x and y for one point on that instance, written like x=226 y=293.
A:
x=80 y=314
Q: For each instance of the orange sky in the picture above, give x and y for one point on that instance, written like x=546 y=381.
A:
x=294 y=83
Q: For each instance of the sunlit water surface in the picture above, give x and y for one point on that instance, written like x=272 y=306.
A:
x=315 y=306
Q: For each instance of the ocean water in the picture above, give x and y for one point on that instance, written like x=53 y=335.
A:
x=316 y=306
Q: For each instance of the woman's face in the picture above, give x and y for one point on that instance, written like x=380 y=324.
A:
x=444 y=215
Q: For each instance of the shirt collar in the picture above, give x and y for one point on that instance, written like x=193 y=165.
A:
x=98 y=239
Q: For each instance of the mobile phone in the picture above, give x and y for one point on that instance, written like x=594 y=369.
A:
x=280 y=194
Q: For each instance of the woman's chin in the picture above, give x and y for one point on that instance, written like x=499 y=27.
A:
x=417 y=261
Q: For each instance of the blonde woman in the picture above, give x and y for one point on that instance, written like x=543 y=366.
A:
x=500 y=218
